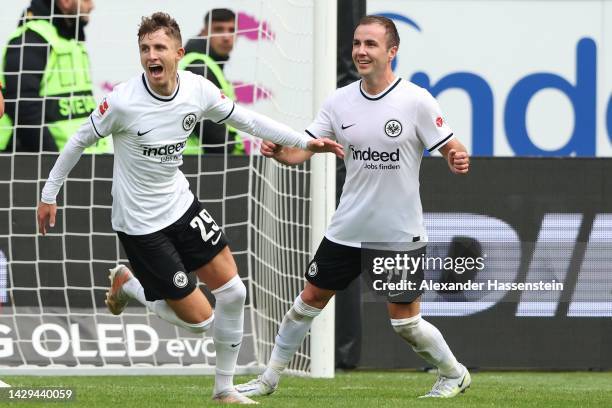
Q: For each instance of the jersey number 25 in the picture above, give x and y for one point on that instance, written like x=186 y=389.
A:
x=200 y=220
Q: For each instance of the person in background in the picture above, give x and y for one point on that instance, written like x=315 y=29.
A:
x=47 y=78
x=1 y=101
x=207 y=55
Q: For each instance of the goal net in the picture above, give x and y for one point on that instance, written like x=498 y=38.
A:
x=52 y=288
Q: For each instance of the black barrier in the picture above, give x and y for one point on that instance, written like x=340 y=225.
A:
x=83 y=230
x=560 y=200
x=524 y=199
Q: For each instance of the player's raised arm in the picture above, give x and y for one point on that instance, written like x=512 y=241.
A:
x=456 y=156
x=69 y=157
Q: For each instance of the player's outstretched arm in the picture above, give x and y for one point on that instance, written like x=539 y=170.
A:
x=69 y=157
x=290 y=156
x=278 y=133
x=456 y=156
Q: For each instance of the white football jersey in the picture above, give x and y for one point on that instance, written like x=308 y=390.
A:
x=384 y=137
x=149 y=134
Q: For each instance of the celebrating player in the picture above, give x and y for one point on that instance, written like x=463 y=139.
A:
x=384 y=123
x=165 y=231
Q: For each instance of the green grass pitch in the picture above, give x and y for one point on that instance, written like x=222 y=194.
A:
x=355 y=389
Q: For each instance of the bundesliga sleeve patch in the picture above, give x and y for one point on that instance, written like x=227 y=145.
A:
x=103 y=107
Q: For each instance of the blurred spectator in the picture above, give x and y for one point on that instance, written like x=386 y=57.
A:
x=47 y=75
x=206 y=55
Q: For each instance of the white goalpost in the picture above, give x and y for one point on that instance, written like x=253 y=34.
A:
x=53 y=320
x=323 y=182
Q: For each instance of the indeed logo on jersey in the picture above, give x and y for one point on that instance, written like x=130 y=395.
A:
x=368 y=155
x=166 y=153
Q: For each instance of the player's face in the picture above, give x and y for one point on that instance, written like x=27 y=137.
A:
x=370 y=53
x=221 y=36
x=82 y=8
x=159 y=57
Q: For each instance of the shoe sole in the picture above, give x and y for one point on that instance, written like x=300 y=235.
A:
x=113 y=304
x=469 y=378
x=462 y=391
x=230 y=399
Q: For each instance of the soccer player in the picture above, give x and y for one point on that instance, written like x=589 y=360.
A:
x=384 y=123
x=163 y=228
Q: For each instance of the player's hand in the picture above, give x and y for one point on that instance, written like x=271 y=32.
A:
x=46 y=212
x=459 y=162
x=269 y=149
x=325 y=145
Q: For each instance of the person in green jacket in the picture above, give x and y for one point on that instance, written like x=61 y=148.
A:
x=207 y=55
x=46 y=72
x=1 y=101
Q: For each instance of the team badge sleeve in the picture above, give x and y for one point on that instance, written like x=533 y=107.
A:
x=432 y=128
x=104 y=119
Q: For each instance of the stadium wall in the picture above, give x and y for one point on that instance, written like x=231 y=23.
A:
x=560 y=211
x=524 y=199
x=515 y=78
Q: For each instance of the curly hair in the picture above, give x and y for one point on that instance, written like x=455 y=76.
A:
x=159 y=21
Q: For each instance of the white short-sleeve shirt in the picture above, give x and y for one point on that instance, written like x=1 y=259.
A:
x=384 y=137
x=149 y=135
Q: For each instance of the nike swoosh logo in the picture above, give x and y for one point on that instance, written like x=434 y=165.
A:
x=235 y=345
x=139 y=133
x=462 y=380
x=346 y=127
x=395 y=294
x=214 y=242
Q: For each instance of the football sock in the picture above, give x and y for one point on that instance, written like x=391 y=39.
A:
x=291 y=333
x=427 y=341
x=227 y=331
x=134 y=289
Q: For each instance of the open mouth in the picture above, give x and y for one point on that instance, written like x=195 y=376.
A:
x=156 y=70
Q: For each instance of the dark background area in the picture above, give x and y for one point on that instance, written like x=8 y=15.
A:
x=518 y=191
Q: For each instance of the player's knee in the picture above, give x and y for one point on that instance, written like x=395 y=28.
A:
x=233 y=292
x=315 y=298
x=302 y=310
x=241 y=292
x=406 y=327
x=201 y=327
